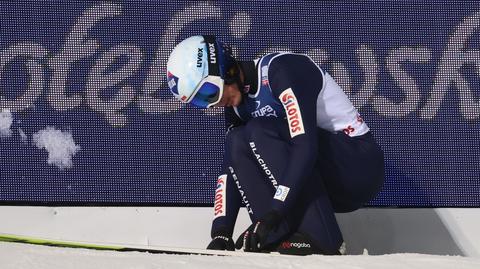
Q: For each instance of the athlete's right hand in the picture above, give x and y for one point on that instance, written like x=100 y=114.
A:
x=254 y=239
x=221 y=241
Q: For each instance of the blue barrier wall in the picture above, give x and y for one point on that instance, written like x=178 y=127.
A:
x=96 y=70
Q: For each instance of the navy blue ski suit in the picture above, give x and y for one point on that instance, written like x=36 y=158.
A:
x=296 y=145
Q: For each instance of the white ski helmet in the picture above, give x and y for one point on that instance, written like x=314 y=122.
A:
x=197 y=69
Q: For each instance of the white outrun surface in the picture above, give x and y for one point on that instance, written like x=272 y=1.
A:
x=23 y=256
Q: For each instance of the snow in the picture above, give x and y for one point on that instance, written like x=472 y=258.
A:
x=6 y=120
x=23 y=136
x=60 y=146
x=23 y=256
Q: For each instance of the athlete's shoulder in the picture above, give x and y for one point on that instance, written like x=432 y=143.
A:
x=289 y=69
x=291 y=60
x=283 y=64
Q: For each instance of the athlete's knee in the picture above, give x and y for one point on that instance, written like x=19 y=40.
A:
x=257 y=123
x=260 y=128
x=235 y=141
x=356 y=196
x=369 y=184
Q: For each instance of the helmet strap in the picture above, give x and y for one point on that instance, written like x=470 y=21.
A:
x=212 y=49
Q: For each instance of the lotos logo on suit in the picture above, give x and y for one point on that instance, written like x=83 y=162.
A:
x=294 y=116
x=220 y=196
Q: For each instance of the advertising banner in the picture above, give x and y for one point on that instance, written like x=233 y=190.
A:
x=86 y=117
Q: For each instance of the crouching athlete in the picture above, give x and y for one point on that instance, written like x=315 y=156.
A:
x=296 y=149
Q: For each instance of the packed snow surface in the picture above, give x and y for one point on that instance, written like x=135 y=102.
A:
x=23 y=256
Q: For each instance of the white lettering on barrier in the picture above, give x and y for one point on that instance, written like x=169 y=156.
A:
x=449 y=74
x=79 y=46
x=34 y=54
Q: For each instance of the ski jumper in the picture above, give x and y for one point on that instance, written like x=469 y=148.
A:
x=297 y=145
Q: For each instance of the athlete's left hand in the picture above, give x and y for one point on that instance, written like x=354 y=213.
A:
x=255 y=237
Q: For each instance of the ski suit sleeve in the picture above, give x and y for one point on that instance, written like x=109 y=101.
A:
x=296 y=81
x=227 y=204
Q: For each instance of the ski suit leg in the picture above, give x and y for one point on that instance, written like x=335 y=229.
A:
x=347 y=174
x=313 y=209
x=352 y=169
x=254 y=188
x=259 y=153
